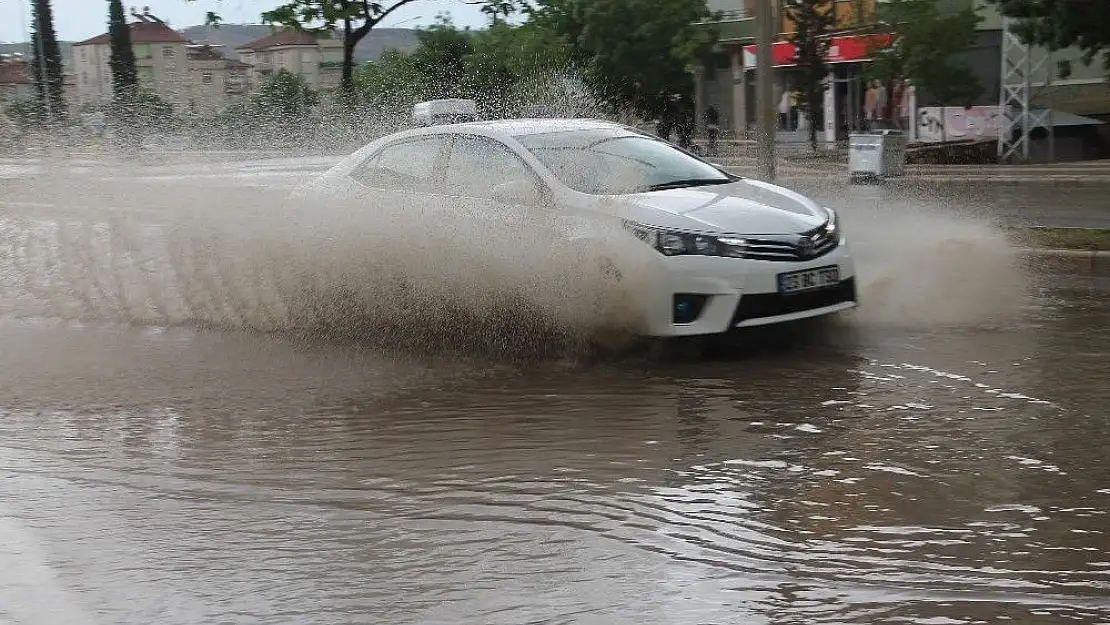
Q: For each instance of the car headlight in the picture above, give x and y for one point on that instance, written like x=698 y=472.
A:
x=832 y=227
x=677 y=243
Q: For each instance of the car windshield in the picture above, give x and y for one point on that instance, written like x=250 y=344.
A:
x=616 y=162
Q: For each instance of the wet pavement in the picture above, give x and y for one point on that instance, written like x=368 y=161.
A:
x=936 y=457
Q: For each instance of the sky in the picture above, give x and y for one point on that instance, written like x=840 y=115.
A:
x=75 y=20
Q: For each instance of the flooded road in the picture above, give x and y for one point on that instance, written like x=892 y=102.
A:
x=185 y=476
x=917 y=462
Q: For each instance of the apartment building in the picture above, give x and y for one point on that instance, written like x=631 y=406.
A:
x=192 y=77
x=212 y=80
x=317 y=59
x=161 y=59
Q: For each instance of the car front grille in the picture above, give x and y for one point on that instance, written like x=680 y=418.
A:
x=760 y=305
x=786 y=248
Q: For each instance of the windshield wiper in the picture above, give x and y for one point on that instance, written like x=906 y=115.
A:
x=688 y=182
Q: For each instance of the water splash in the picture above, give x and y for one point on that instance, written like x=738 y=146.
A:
x=418 y=271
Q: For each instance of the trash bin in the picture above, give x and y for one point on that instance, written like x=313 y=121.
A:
x=876 y=155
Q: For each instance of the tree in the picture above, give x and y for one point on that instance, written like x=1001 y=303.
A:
x=441 y=60
x=125 y=79
x=356 y=18
x=512 y=66
x=285 y=97
x=1058 y=24
x=632 y=54
x=47 y=63
x=500 y=67
x=925 y=49
x=813 y=19
x=390 y=85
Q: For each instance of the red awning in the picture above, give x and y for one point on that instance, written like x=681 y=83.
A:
x=844 y=49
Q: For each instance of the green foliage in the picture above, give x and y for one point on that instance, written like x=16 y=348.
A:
x=440 y=60
x=925 y=50
x=500 y=67
x=1058 y=24
x=122 y=59
x=813 y=19
x=284 y=97
x=280 y=111
x=137 y=108
x=354 y=19
x=633 y=54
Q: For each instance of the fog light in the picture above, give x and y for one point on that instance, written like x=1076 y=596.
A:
x=688 y=307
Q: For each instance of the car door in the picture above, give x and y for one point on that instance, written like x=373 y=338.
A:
x=489 y=181
x=406 y=168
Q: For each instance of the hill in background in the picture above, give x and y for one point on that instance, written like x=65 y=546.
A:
x=232 y=36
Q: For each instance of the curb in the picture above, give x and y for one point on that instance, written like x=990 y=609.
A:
x=926 y=178
x=1059 y=253
x=1076 y=262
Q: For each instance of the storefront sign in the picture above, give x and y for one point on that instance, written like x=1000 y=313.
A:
x=846 y=49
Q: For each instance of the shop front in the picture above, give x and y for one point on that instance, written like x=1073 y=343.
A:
x=845 y=104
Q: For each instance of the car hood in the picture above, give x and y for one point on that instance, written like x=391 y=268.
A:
x=742 y=207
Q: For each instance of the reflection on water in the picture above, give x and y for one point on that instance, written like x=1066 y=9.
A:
x=894 y=475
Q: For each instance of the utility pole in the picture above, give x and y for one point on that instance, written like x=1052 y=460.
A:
x=764 y=95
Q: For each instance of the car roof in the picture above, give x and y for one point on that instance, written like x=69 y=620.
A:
x=517 y=127
x=530 y=126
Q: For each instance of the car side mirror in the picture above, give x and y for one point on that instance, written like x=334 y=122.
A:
x=523 y=192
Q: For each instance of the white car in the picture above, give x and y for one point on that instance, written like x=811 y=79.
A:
x=730 y=252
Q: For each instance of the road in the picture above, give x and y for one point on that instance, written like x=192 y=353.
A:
x=206 y=417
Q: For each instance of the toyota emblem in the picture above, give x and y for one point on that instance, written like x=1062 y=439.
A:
x=805 y=247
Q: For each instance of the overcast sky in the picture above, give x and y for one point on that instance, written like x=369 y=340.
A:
x=75 y=20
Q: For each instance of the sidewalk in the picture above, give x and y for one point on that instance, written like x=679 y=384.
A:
x=1094 y=172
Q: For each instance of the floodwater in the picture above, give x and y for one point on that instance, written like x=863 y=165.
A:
x=937 y=457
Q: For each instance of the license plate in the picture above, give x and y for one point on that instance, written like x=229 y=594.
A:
x=809 y=279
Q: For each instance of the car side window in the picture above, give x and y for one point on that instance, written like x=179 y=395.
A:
x=477 y=163
x=406 y=165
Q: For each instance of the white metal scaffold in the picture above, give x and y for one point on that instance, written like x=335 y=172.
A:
x=1019 y=120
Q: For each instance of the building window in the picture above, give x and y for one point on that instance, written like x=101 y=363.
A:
x=167 y=51
x=206 y=78
x=84 y=53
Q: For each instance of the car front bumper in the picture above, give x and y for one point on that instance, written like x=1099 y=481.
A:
x=743 y=293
